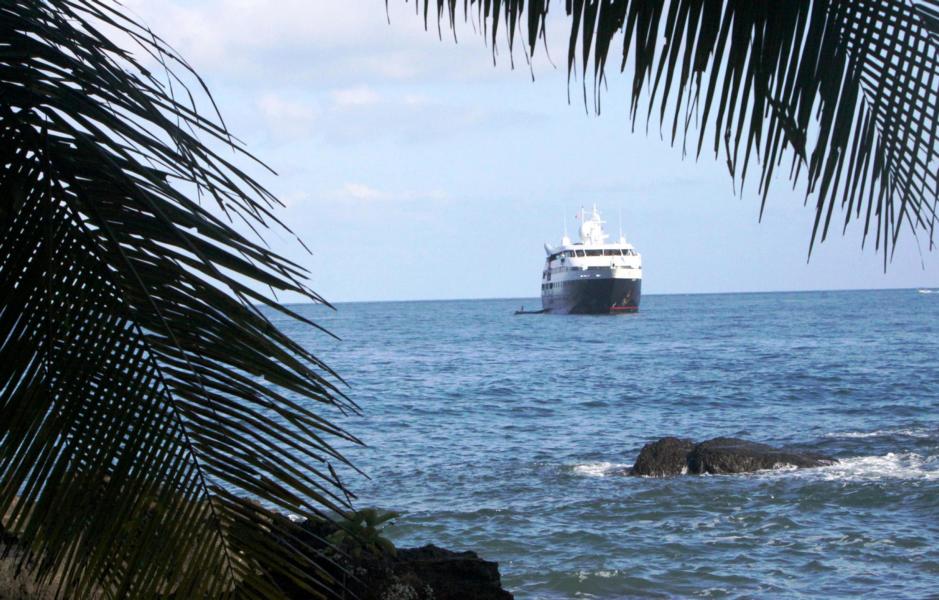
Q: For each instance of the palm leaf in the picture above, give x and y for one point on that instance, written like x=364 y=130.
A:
x=150 y=419
x=844 y=92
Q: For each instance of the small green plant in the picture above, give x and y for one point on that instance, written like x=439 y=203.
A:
x=359 y=534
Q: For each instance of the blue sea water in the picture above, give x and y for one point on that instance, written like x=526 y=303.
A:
x=504 y=434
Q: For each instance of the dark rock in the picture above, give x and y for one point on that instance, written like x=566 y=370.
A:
x=670 y=456
x=731 y=455
x=663 y=458
x=426 y=573
x=451 y=575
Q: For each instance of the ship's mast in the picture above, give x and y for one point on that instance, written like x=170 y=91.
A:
x=622 y=238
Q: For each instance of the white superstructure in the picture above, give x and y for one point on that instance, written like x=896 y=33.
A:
x=591 y=275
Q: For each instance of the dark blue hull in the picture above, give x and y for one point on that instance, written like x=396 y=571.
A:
x=593 y=297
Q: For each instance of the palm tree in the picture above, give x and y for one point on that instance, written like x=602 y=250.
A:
x=150 y=412
x=151 y=416
x=846 y=91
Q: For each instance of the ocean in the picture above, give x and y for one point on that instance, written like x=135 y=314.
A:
x=504 y=435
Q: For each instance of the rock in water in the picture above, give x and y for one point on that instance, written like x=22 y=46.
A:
x=426 y=573
x=450 y=575
x=732 y=455
x=663 y=458
x=671 y=456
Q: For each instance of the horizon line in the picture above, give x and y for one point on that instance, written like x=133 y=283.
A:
x=802 y=291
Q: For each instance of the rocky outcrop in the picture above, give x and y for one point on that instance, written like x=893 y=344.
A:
x=671 y=456
x=732 y=455
x=425 y=573
x=663 y=458
x=449 y=575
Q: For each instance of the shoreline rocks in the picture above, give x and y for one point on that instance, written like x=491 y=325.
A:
x=447 y=575
x=425 y=573
x=670 y=456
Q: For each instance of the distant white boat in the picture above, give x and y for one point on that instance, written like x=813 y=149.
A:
x=925 y=291
x=591 y=276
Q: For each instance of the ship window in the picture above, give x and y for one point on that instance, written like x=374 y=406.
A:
x=580 y=252
x=594 y=252
x=611 y=253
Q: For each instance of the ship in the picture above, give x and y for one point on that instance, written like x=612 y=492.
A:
x=591 y=276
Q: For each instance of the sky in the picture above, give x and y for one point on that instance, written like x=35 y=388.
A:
x=415 y=167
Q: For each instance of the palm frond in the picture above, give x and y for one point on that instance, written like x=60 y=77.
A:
x=144 y=396
x=842 y=94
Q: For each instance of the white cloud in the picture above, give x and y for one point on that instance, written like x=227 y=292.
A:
x=320 y=43
x=275 y=107
x=285 y=118
x=356 y=96
x=294 y=198
x=360 y=191
x=415 y=100
x=418 y=120
x=363 y=114
x=335 y=71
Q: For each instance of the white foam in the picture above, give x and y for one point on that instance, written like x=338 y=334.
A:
x=894 y=465
x=600 y=469
x=905 y=465
x=913 y=433
x=583 y=575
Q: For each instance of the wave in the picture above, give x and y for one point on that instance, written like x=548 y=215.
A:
x=905 y=465
x=919 y=433
x=600 y=469
x=584 y=575
x=892 y=466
